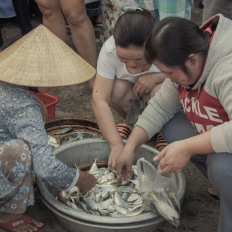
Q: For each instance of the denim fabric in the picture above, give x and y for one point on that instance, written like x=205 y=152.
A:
x=93 y=9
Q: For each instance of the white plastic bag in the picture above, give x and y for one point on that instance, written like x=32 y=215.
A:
x=159 y=191
x=136 y=107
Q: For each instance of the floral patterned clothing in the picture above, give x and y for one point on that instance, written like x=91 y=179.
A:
x=16 y=188
x=21 y=118
x=112 y=9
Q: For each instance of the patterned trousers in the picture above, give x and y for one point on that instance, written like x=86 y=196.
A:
x=16 y=182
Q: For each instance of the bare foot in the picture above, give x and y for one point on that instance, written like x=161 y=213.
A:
x=19 y=222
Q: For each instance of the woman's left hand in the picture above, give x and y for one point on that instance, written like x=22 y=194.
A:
x=173 y=157
x=147 y=82
x=144 y=84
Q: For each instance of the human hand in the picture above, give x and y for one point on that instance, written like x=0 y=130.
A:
x=124 y=164
x=147 y=82
x=173 y=157
x=85 y=182
x=114 y=154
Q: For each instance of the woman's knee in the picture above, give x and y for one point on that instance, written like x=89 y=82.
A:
x=16 y=151
x=48 y=7
x=122 y=92
x=219 y=169
x=75 y=20
x=178 y=128
x=75 y=15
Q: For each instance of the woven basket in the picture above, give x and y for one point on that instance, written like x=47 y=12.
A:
x=76 y=124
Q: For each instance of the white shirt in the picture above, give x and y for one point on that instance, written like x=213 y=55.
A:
x=110 y=66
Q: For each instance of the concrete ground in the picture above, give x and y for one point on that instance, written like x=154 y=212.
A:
x=200 y=211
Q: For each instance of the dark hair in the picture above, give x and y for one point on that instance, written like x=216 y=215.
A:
x=173 y=40
x=133 y=28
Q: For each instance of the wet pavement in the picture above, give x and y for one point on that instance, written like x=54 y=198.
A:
x=200 y=211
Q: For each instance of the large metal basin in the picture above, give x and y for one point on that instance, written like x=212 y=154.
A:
x=85 y=151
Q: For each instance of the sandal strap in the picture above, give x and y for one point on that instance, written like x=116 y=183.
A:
x=160 y=141
x=123 y=130
x=12 y=225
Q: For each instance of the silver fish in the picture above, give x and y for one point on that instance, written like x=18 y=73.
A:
x=94 y=167
x=63 y=131
x=167 y=211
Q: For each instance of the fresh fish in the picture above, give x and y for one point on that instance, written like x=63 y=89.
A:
x=121 y=210
x=91 y=204
x=118 y=200
x=134 y=208
x=133 y=197
x=139 y=201
x=74 y=206
x=111 y=198
x=107 y=188
x=125 y=196
x=94 y=167
x=63 y=131
x=125 y=189
x=111 y=208
x=105 y=204
x=164 y=209
x=53 y=141
x=172 y=200
x=103 y=212
x=109 y=177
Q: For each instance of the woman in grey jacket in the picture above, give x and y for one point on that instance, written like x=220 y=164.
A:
x=196 y=99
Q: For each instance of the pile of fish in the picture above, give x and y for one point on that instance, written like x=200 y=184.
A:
x=110 y=197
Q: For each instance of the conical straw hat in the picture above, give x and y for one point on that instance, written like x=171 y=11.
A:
x=41 y=59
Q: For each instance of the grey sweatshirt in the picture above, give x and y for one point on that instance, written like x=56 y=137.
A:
x=215 y=83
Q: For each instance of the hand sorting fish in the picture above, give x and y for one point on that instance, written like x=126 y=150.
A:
x=112 y=197
x=85 y=182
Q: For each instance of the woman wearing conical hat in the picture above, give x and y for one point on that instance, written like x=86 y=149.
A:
x=33 y=61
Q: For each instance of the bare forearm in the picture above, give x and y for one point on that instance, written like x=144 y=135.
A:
x=159 y=77
x=106 y=123
x=136 y=139
x=200 y=144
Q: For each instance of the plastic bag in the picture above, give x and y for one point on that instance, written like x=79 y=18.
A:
x=136 y=107
x=159 y=191
x=165 y=191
